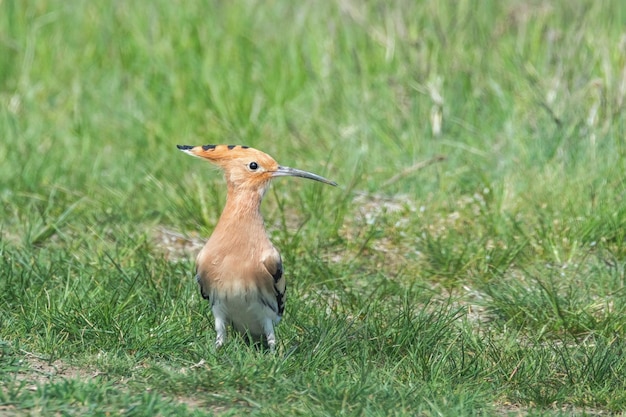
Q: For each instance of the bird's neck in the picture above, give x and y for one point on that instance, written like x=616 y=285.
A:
x=243 y=209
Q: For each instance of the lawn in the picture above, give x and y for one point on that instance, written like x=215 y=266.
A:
x=471 y=261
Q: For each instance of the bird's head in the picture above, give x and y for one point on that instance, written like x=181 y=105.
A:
x=246 y=167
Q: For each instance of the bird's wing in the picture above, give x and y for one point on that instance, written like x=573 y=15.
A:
x=274 y=266
x=206 y=271
x=205 y=289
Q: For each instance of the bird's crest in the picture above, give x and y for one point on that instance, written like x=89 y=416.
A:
x=219 y=152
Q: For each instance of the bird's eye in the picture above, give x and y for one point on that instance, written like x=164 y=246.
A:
x=253 y=166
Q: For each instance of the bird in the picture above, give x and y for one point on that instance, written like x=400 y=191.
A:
x=239 y=271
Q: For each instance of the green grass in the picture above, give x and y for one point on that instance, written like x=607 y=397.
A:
x=488 y=282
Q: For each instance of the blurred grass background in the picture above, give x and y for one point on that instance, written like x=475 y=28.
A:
x=490 y=281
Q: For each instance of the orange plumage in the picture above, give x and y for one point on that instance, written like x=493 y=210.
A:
x=239 y=271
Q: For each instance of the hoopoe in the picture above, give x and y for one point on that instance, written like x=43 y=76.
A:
x=239 y=271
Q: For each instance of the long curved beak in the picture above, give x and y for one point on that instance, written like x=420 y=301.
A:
x=293 y=172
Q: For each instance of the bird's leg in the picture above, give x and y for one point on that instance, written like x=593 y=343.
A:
x=268 y=329
x=220 y=328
